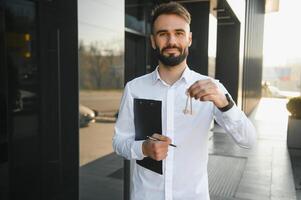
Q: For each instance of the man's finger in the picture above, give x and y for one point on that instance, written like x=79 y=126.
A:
x=162 y=138
x=199 y=83
x=204 y=92
x=199 y=86
x=208 y=97
x=165 y=138
x=156 y=135
x=195 y=91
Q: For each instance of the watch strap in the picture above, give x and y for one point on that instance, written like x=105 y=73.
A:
x=229 y=106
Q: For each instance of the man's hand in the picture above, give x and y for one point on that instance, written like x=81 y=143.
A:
x=207 y=90
x=157 y=150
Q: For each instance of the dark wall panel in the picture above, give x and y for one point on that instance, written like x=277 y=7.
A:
x=135 y=56
x=4 y=168
x=59 y=74
x=227 y=57
x=198 y=52
x=253 y=54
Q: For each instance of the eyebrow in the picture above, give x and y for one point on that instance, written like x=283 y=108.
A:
x=164 y=30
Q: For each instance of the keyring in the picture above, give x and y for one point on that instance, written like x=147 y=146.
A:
x=186 y=110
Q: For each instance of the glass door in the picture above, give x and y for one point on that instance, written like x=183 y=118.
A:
x=101 y=67
x=19 y=101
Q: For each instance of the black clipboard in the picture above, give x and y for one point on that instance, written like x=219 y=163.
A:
x=148 y=120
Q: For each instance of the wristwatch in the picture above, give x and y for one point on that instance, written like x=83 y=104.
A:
x=229 y=106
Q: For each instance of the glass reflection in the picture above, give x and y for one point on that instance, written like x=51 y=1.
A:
x=21 y=55
x=22 y=117
x=212 y=45
x=101 y=65
x=134 y=15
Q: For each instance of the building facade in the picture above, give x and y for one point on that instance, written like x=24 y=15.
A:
x=40 y=78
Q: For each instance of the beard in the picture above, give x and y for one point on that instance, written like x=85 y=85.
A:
x=171 y=60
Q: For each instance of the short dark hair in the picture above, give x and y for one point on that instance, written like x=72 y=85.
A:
x=170 y=8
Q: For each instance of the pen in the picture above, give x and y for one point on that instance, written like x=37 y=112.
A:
x=156 y=139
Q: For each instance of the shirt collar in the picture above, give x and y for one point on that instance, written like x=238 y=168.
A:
x=185 y=75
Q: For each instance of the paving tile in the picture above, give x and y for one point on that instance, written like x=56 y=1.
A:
x=251 y=196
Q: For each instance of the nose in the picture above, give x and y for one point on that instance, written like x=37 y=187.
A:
x=171 y=40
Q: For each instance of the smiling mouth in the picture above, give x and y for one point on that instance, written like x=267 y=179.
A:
x=171 y=50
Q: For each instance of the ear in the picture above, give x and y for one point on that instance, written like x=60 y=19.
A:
x=190 y=38
x=153 y=41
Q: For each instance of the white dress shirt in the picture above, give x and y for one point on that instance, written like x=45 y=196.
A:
x=185 y=168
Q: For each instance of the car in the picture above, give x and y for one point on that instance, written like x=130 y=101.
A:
x=86 y=115
x=275 y=92
x=269 y=90
x=25 y=101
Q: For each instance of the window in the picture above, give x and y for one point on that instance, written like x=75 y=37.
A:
x=101 y=65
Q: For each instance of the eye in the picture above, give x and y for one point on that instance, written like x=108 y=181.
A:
x=162 y=34
x=179 y=33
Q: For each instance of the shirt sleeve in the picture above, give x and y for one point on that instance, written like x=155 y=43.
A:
x=124 y=143
x=236 y=124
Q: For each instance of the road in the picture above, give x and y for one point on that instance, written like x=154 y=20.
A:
x=103 y=101
x=96 y=139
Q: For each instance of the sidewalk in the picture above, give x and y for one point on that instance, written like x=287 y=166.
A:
x=263 y=173
x=267 y=174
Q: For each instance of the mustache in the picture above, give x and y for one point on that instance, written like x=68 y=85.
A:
x=171 y=47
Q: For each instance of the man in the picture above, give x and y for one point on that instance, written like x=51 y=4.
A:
x=185 y=166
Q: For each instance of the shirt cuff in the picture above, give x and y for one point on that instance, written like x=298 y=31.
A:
x=233 y=114
x=137 y=152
